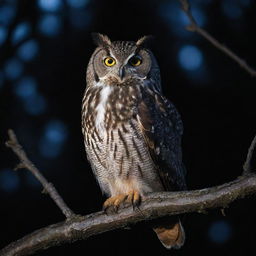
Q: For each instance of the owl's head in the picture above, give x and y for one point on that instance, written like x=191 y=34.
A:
x=118 y=61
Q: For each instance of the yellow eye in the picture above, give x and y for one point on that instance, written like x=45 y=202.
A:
x=135 y=61
x=109 y=61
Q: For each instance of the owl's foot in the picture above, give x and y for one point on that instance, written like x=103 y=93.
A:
x=113 y=204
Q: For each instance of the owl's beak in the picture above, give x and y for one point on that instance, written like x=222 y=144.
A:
x=121 y=73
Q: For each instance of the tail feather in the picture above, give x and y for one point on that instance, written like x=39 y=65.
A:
x=171 y=235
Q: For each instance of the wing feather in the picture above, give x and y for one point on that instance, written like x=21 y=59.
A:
x=162 y=128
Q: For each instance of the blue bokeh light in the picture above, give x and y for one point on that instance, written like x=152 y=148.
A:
x=56 y=131
x=3 y=34
x=77 y=3
x=35 y=105
x=199 y=16
x=190 y=57
x=231 y=9
x=54 y=136
x=13 y=68
x=7 y=13
x=26 y=88
x=220 y=231
x=21 y=32
x=174 y=18
x=28 y=50
x=177 y=20
x=50 y=25
x=9 y=180
x=50 y=5
x=80 y=18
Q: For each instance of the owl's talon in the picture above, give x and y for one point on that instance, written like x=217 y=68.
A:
x=134 y=198
x=113 y=204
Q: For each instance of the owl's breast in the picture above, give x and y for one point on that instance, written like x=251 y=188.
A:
x=106 y=109
x=114 y=142
x=116 y=105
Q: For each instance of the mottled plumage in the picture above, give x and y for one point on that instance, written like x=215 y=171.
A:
x=132 y=133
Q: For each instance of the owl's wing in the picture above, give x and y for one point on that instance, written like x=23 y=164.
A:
x=162 y=128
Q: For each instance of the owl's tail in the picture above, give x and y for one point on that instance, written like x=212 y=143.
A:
x=171 y=235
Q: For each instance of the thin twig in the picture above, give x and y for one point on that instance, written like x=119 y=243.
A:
x=194 y=27
x=26 y=163
x=154 y=206
x=248 y=162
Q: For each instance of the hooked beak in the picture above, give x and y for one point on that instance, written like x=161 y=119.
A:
x=121 y=73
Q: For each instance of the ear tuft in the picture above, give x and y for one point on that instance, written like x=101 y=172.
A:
x=101 y=40
x=144 y=41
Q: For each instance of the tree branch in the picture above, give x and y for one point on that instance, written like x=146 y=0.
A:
x=154 y=206
x=194 y=27
x=26 y=163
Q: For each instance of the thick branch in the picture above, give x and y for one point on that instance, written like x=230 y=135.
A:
x=195 y=28
x=154 y=206
x=26 y=163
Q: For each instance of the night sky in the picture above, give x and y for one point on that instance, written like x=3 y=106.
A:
x=45 y=46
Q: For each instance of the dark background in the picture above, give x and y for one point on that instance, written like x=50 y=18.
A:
x=44 y=50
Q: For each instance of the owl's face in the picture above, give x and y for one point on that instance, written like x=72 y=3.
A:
x=119 y=61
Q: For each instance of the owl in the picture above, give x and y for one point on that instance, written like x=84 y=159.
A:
x=132 y=133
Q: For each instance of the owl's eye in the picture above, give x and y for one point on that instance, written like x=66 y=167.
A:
x=135 y=61
x=109 y=61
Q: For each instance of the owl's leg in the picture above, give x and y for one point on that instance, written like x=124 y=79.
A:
x=114 y=203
